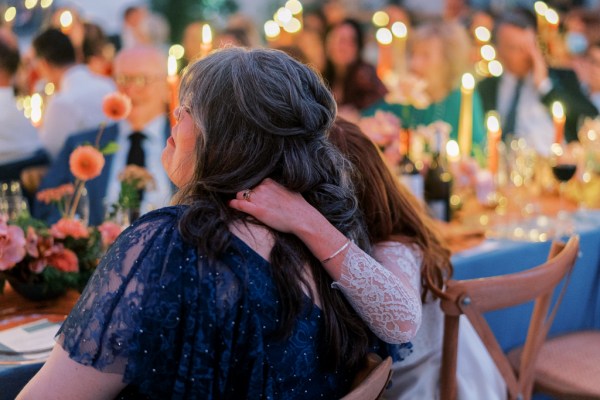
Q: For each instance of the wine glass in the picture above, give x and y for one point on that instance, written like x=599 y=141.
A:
x=564 y=165
x=12 y=201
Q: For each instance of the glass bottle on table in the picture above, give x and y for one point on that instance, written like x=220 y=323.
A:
x=408 y=173
x=438 y=183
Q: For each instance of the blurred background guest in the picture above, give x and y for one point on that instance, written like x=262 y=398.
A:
x=593 y=60
x=98 y=51
x=526 y=90
x=77 y=102
x=20 y=146
x=353 y=81
x=140 y=73
x=232 y=37
x=438 y=55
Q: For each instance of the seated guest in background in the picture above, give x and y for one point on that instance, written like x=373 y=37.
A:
x=98 y=52
x=354 y=83
x=20 y=146
x=593 y=60
x=198 y=301
x=406 y=244
x=140 y=73
x=232 y=37
x=77 y=103
x=438 y=54
x=524 y=94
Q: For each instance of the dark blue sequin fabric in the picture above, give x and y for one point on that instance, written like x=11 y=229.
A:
x=177 y=326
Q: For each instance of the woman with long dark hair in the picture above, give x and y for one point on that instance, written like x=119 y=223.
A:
x=200 y=301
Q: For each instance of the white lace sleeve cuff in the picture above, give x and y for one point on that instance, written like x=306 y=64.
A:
x=385 y=297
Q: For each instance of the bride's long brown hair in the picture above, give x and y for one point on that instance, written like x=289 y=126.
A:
x=391 y=212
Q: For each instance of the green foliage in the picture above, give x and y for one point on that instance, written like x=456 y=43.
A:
x=180 y=13
x=110 y=148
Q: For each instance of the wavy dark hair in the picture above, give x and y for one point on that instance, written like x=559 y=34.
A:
x=390 y=210
x=263 y=114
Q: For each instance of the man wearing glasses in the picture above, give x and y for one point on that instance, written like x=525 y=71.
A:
x=140 y=73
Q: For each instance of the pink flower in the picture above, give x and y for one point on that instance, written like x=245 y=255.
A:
x=55 y=194
x=86 y=162
x=382 y=128
x=109 y=232
x=31 y=243
x=65 y=260
x=12 y=246
x=116 y=106
x=45 y=249
x=69 y=227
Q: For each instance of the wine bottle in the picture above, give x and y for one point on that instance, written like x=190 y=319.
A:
x=411 y=177
x=438 y=185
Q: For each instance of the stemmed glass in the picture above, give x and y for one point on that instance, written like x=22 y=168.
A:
x=12 y=202
x=564 y=165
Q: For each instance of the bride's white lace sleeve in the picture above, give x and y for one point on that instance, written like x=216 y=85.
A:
x=386 y=294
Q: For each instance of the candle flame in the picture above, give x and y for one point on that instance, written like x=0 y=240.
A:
x=29 y=4
x=452 y=150
x=483 y=34
x=495 y=68
x=552 y=16
x=177 y=51
x=540 y=7
x=488 y=52
x=293 y=26
x=10 y=14
x=468 y=81
x=172 y=65
x=272 y=29
x=493 y=124
x=206 y=34
x=558 y=111
x=66 y=19
x=399 y=29
x=283 y=16
x=294 y=6
x=381 y=19
x=384 y=36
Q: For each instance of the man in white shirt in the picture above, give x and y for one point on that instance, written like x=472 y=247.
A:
x=140 y=72
x=77 y=103
x=20 y=146
x=525 y=92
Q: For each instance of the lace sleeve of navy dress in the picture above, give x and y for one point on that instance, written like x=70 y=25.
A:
x=179 y=326
x=385 y=291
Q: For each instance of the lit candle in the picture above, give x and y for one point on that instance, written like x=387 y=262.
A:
x=385 y=60
x=173 y=82
x=452 y=151
x=540 y=12
x=296 y=8
x=465 y=119
x=66 y=21
x=559 y=118
x=493 y=136
x=272 y=30
x=400 y=32
x=206 y=45
x=552 y=18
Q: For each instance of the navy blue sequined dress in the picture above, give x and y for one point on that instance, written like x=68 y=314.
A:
x=177 y=326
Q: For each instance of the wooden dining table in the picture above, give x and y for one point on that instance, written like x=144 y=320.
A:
x=474 y=255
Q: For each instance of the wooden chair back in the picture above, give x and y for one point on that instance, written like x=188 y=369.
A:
x=370 y=382
x=476 y=296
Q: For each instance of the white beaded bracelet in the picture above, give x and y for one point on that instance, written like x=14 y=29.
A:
x=338 y=251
